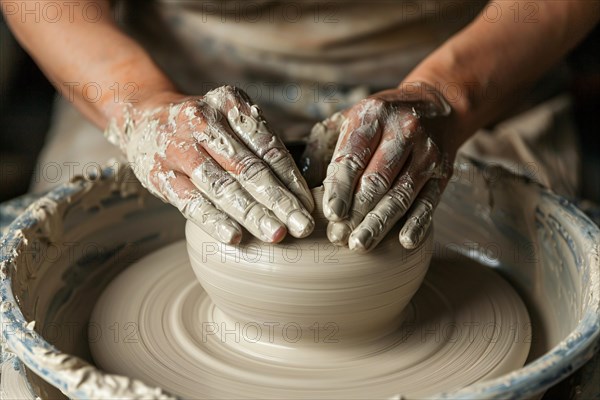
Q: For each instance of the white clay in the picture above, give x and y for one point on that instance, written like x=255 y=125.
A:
x=172 y=336
x=216 y=159
x=328 y=325
x=13 y=384
x=310 y=281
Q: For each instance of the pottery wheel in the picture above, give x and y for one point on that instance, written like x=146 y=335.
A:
x=156 y=323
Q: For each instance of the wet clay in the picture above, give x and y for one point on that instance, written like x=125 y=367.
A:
x=453 y=333
x=13 y=384
x=231 y=169
x=300 y=319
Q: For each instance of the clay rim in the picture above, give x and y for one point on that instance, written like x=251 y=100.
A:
x=79 y=379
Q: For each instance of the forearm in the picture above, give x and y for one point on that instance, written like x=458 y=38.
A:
x=482 y=68
x=90 y=61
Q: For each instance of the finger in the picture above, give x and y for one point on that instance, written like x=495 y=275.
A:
x=181 y=192
x=359 y=136
x=421 y=213
x=382 y=170
x=249 y=171
x=389 y=210
x=319 y=149
x=246 y=120
x=226 y=193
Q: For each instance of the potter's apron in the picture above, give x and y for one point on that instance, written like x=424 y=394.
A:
x=302 y=61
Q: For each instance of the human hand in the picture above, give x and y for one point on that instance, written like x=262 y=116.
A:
x=394 y=156
x=215 y=158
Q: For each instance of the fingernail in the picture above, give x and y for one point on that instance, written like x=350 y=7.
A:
x=229 y=233
x=338 y=233
x=300 y=224
x=272 y=229
x=409 y=237
x=360 y=241
x=337 y=208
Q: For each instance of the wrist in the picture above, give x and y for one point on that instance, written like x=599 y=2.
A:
x=141 y=98
x=465 y=84
x=135 y=82
x=463 y=117
x=123 y=116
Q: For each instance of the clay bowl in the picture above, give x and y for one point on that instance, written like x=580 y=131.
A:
x=310 y=283
x=60 y=254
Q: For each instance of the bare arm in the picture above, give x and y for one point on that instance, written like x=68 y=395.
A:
x=395 y=151
x=213 y=156
x=77 y=49
x=509 y=46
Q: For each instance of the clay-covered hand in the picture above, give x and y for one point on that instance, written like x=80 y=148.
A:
x=393 y=158
x=215 y=158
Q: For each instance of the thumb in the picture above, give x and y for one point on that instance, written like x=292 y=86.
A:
x=319 y=149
